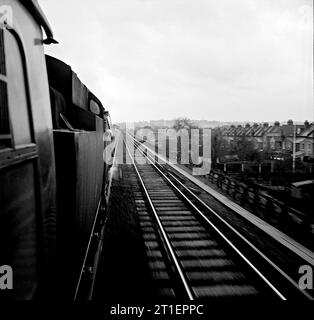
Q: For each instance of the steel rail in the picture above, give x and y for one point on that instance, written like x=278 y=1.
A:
x=174 y=259
x=240 y=254
x=277 y=268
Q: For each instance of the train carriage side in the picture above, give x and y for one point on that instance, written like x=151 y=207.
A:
x=27 y=168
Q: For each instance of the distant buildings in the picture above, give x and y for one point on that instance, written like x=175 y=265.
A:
x=275 y=138
x=158 y=124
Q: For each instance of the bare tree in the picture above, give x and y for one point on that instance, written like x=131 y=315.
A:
x=182 y=123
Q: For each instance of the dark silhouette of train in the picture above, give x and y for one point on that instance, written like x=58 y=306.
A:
x=52 y=171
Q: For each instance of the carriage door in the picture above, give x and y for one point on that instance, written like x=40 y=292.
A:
x=18 y=172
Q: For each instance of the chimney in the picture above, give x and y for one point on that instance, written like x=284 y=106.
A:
x=277 y=123
x=306 y=124
x=290 y=122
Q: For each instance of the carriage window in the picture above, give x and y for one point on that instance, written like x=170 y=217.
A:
x=2 y=61
x=5 y=137
x=16 y=91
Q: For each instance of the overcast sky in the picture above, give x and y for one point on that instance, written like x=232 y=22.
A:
x=204 y=59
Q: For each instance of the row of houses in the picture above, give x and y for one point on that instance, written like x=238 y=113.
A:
x=170 y=123
x=276 y=138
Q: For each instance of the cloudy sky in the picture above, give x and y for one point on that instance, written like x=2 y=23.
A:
x=204 y=59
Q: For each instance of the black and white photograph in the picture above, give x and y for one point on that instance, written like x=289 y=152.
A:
x=156 y=156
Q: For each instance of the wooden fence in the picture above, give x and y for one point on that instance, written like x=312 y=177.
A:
x=263 y=205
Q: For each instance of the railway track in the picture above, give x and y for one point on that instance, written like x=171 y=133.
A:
x=189 y=255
